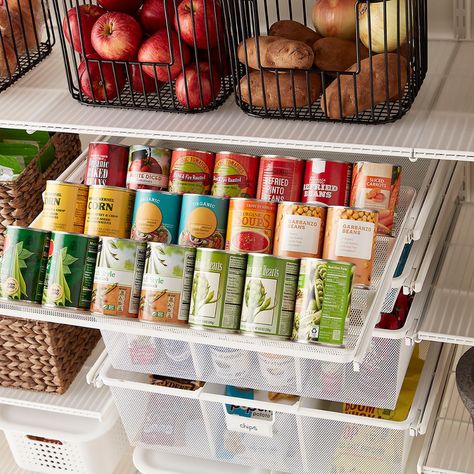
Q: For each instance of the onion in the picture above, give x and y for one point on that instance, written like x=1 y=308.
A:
x=335 y=18
x=377 y=25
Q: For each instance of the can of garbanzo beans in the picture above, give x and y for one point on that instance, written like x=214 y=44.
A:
x=109 y=211
x=350 y=237
x=299 y=230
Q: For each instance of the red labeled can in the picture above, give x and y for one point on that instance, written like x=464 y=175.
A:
x=280 y=178
x=191 y=171
x=106 y=165
x=235 y=175
x=327 y=182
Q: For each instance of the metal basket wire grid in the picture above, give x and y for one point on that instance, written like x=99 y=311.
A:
x=148 y=85
x=26 y=37
x=379 y=87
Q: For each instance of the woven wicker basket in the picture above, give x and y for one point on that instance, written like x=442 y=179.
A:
x=36 y=355
x=20 y=200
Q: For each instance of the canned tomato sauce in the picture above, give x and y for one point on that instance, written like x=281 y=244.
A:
x=191 y=171
x=235 y=175
x=148 y=168
x=106 y=164
x=156 y=216
x=203 y=221
x=350 y=237
x=109 y=211
x=377 y=186
x=118 y=277
x=280 y=178
x=65 y=207
x=250 y=225
x=23 y=264
x=167 y=282
x=299 y=230
x=327 y=182
x=70 y=271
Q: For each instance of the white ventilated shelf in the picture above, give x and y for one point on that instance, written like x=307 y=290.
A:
x=448 y=447
x=80 y=399
x=449 y=317
x=41 y=100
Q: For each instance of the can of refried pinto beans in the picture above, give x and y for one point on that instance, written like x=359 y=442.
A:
x=280 y=178
x=327 y=182
x=106 y=164
x=350 y=237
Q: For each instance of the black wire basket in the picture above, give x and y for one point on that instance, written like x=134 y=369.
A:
x=363 y=62
x=175 y=59
x=26 y=37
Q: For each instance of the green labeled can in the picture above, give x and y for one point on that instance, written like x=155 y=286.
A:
x=23 y=265
x=70 y=271
x=218 y=288
x=323 y=301
x=269 y=296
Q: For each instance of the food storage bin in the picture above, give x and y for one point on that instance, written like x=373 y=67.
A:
x=304 y=435
x=182 y=67
x=26 y=37
x=370 y=73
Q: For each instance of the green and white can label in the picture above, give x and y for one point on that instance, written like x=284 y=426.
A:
x=269 y=296
x=218 y=286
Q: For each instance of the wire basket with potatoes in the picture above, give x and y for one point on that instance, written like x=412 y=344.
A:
x=356 y=61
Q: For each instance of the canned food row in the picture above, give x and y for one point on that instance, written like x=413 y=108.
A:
x=288 y=229
x=256 y=294
x=374 y=186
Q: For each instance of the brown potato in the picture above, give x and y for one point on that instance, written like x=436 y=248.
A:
x=293 y=93
x=336 y=54
x=363 y=80
x=276 y=52
x=295 y=31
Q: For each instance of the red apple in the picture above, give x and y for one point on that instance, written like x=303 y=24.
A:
x=127 y=6
x=190 y=78
x=136 y=80
x=116 y=36
x=152 y=15
x=157 y=49
x=200 y=9
x=88 y=15
x=218 y=58
x=97 y=86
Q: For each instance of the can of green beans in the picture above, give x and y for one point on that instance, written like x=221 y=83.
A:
x=217 y=291
x=269 y=296
x=323 y=301
x=23 y=264
x=70 y=271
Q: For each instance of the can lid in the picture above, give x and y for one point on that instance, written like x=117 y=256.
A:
x=268 y=201
x=44 y=231
x=324 y=260
x=247 y=155
x=292 y=158
x=308 y=204
x=105 y=186
x=331 y=161
x=74 y=234
x=230 y=252
x=144 y=147
x=261 y=255
x=108 y=143
x=138 y=242
x=373 y=211
x=206 y=196
x=194 y=151
x=64 y=183
x=154 y=191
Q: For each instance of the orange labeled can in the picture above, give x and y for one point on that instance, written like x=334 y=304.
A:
x=251 y=225
x=377 y=186
x=299 y=230
x=350 y=237
x=109 y=211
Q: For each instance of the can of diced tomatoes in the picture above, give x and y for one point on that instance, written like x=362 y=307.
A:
x=109 y=211
x=167 y=283
x=118 y=277
x=191 y=171
x=327 y=182
x=350 y=237
x=106 y=164
x=377 y=186
x=280 y=178
x=70 y=271
x=251 y=225
x=156 y=216
x=235 y=175
x=218 y=287
x=64 y=208
x=203 y=221
x=148 y=168
x=299 y=230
